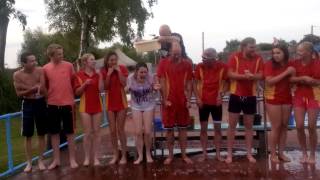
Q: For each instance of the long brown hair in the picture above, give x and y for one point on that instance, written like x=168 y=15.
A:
x=138 y=66
x=107 y=57
x=285 y=51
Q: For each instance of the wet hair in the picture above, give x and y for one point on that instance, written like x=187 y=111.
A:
x=285 y=51
x=52 y=49
x=246 y=41
x=85 y=57
x=24 y=57
x=138 y=66
x=107 y=57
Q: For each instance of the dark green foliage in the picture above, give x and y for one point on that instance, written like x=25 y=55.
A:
x=9 y=102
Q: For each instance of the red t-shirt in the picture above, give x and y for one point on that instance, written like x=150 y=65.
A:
x=238 y=64
x=90 y=101
x=313 y=70
x=175 y=75
x=116 y=99
x=279 y=93
x=210 y=81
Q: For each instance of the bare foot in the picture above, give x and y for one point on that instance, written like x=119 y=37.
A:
x=304 y=159
x=203 y=157
x=96 y=162
x=284 y=158
x=54 y=165
x=41 y=166
x=138 y=161
x=73 y=164
x=312 y=160
x=114 y=160
x=149 y=159
x=28 y=168
x=86 y=162
x=251 y=159
x=229 y=159
x=219 y=158
x=274 y=159
x=123 y=160
x=168 y=161
x=187 y=160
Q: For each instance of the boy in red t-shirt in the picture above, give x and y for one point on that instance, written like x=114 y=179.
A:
x=210 y=82
x=245 y=69
x=175 y=74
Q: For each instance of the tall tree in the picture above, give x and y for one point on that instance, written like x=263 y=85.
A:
x=7 y=11
x=231 y=46
x=99 y=20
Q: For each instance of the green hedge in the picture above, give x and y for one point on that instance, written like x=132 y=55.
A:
x=9 y=102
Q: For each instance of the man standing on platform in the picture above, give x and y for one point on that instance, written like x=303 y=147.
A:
x=175 y=74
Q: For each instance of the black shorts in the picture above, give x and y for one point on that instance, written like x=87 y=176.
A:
x=60 y=118
x=246 y=104
x=216 y=113
x=34 y=112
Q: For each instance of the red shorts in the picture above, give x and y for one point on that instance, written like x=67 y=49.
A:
x=305 y=103
x=175 y=116
x=279 y=102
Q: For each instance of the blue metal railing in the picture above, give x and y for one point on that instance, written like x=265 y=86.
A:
x=7 y=119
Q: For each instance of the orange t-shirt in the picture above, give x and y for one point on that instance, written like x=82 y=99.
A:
x=175 y=75
x=313 y=70
x=59 y=83
x=210 y=81
x=90 y=101
x=116 y=99
x=279 y=93
x=239 y=64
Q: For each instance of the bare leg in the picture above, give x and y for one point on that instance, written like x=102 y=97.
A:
x=55 y=141
x=28 y=149
x=114 y=136
x=286 y=112
x=183 y=145
x=217 y=140
x=170 y=143
x=96 y=138
x=204 y=139
x=71 y=147
x=147 y=122
x=248 y=123
x=275 y=117
x=121 y=120
x=299 y=114
x=233 y=120
x=313 y=138
x=86 y=125
x=42 y=141
x=138 y=119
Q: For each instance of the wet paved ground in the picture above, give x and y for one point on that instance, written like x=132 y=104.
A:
x=210 y=169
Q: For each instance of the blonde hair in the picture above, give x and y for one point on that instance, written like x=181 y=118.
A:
x=85 y=57
x=52 y=49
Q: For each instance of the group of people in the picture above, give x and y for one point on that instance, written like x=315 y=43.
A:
x=48 y=99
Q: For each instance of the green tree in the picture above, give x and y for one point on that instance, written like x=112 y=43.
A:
x=231 y=46
x=100 y=20
x=37 y=41
x=265 y=46
x=7 y=11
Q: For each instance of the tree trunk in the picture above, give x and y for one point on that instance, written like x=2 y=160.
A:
x=3 y=38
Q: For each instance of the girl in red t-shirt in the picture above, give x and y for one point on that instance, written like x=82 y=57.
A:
x=277 y=73
x=115 y=78
x=88 y=84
